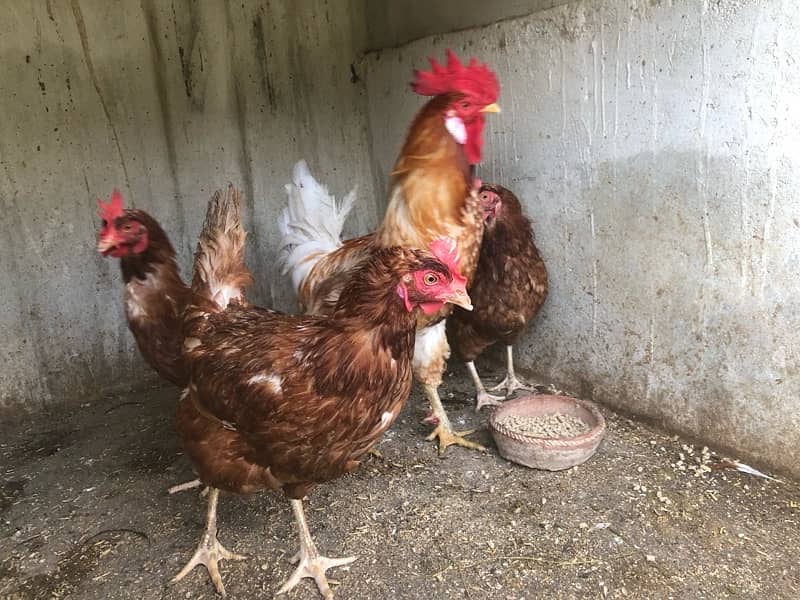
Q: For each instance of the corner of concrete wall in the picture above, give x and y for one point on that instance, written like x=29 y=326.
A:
x=655 y=147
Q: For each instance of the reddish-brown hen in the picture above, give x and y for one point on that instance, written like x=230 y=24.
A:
x=155 y=296
x=284 y=401
x=431 y=196
x=508 y=289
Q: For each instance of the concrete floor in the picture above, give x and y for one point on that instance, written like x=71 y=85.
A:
x=84 y=513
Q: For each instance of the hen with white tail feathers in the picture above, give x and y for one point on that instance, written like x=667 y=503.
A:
x=311 y=224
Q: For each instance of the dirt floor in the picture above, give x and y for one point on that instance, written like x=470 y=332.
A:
x=84 y=513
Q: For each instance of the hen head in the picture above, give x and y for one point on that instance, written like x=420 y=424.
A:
x=435 y=280
x=473 y=90
x=122 y=234
x=496 y=202
x=490 y=202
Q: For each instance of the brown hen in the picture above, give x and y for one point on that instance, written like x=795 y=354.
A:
x=508 y=289
x=286 y=402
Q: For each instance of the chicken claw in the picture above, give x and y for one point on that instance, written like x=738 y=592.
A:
x=510 y=382
x=483 y=398
x=444 y=431
x=315 y=568
x=182 y=487
x=311 y=564
x=210 y=552
x=448 y=437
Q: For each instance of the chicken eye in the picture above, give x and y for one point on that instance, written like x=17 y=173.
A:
x=127 y=227
x=430 y=279
x=464 y=104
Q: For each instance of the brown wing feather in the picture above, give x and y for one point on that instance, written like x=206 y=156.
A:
x=320 y=291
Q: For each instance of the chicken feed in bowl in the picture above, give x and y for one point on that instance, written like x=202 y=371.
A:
x=547 y=432
x=556 y=425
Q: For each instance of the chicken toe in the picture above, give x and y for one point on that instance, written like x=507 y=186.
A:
x=315 y=568
x=311 y=563
x=182 y=487
x=511 y=383
x=210 y=552
x=444 y=430
x=448 y=437
x=483 y=397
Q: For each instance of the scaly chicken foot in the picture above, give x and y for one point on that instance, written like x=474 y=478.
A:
x=210 y=552
x=483 y=397
x=511 y=383
x=311 y=564
x=444 y=430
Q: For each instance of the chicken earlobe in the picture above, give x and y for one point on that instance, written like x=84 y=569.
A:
x=510 y=383
x=483 y=398
x=210 y=552
x=311 y=563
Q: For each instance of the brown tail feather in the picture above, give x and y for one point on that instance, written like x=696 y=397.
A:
x=220 y=274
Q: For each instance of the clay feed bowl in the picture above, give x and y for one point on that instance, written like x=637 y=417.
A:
x=549 y=453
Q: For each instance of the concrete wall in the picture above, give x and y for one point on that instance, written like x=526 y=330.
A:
x=656 y=147
x=167 y=101
x=396 y=22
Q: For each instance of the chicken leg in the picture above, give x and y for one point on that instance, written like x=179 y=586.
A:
x=484 y=398
x=511 y=383
x=430 y=355
x=209 y=552
x=311 y=564
x=444 y=430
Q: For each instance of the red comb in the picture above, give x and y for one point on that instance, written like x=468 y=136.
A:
x=111 y=210
x=475 y=79
x=446 y=251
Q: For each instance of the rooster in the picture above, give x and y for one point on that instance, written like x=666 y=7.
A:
x=508 y=289
x=155 y=296
x=431 y=196
x=286 y=402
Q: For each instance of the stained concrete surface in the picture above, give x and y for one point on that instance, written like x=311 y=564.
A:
x=654 y=145
x=166 y=101
x=84 y=513
x=398 y=22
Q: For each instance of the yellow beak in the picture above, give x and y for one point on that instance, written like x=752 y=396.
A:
x=461 y=298
x=491 y=108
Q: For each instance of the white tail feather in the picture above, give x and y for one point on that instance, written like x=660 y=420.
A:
x=311 y=224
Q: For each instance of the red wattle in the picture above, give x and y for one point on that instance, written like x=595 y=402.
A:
x=430 y=307
x=474 y=146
